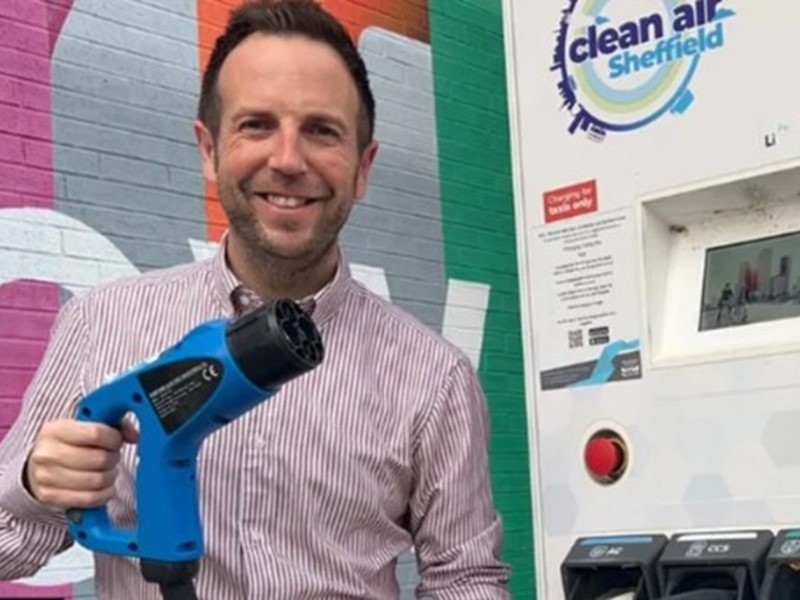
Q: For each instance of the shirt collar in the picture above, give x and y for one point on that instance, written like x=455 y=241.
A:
x=237 y=299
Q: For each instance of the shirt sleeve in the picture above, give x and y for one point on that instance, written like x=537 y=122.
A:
x=457 y=532
x=30 y=533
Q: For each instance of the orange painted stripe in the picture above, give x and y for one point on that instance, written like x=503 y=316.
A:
x=212 y=15
x=406 y=17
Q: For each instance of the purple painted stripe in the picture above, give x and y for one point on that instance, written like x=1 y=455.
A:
x=31 y=295
x=11 y=149
x=35 y=96
x=22 y=353
x=38 y=154
x=27 y=310
x=29 y=12
x=28 y=32
x=26 y=180
x=60 y=592
x=14 y=200
x=27 y=38
x=24 y=66
x=9 y=410
x=9 y=91
x=15 y=381
x=25 y=324
x=26 y=122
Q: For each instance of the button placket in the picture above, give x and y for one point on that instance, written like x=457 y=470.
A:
x=252 y=474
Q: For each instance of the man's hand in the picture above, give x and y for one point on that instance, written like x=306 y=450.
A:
x=73 y=464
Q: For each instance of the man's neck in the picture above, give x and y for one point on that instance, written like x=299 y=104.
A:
x=274 y=277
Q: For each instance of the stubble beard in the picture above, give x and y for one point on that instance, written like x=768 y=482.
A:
x=283 y=268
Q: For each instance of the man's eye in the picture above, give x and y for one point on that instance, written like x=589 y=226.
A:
x=322 y=130
x=253 y=125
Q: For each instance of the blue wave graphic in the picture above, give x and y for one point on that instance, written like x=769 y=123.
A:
x=604 y=368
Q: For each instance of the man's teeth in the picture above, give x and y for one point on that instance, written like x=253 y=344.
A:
x=285 y=201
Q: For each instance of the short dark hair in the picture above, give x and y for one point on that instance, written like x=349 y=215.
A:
x=286 y=17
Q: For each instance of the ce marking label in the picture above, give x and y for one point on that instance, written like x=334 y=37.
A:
x=210 y=372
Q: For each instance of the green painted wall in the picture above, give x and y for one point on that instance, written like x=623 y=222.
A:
x=480 y=241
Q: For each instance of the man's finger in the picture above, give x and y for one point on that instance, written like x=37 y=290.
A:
x=79 y=481
x=66 y=499
x=78 y=433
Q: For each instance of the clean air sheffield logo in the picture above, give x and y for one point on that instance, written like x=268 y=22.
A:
x=619 y=73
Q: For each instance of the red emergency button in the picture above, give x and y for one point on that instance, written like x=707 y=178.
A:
x=605 y=456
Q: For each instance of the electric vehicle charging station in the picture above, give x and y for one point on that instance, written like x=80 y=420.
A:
x=656 y=157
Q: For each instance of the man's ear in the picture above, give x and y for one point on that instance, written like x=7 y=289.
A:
x=364 y=167
x=208 y=156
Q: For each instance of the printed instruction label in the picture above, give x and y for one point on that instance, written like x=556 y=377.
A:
x=586 y=301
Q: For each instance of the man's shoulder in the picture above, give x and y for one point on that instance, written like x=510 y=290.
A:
x=169 y=283
x=404 y=330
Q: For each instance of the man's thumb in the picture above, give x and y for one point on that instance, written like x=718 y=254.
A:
x=130 y=432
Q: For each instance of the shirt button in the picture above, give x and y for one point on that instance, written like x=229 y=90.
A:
x=260 y=443
x=255 y=536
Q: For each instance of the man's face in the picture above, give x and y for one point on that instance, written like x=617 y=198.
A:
x=286 y=161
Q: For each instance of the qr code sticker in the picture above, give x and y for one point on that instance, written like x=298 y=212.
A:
x=575 y=339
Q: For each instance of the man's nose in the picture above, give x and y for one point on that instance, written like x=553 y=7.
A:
x=287 y=155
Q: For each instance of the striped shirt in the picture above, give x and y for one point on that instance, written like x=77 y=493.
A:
x=314 y=493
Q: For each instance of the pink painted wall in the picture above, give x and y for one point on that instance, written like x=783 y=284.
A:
x=28 y=32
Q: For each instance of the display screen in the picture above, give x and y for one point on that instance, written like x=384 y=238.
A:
x=751 y=282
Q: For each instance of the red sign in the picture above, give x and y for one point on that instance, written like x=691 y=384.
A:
x=570 y=201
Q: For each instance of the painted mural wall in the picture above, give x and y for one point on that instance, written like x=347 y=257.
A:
x=100 y=178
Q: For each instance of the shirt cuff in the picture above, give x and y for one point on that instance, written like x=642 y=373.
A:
x=471 y=592
x=18 y=501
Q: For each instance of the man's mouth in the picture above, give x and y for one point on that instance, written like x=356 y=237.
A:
x=281 y=201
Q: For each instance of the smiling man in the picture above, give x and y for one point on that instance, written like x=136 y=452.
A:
x=316 y=493
x=288 y=141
